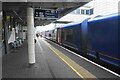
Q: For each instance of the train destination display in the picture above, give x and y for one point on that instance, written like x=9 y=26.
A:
x=45 y=14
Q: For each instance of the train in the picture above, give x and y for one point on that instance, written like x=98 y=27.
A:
x=98 y=38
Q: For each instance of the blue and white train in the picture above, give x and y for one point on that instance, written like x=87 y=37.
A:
x=97 y=38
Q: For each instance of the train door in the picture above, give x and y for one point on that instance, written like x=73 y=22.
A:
x=55 y=35
x=84 y=35
x=60 y=36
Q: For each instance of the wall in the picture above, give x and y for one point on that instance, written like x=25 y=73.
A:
x=105 y=7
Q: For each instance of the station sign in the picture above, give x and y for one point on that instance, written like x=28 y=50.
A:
x=45 y=14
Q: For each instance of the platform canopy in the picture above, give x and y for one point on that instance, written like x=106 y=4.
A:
x=18 y=8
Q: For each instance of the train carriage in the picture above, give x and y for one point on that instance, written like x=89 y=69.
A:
x=70 y=35
x=97 y=38
x=103 y=38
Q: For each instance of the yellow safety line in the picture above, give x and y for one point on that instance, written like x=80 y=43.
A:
x=68 y=64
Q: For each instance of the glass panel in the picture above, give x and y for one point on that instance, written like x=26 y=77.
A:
x=82 y=11
x=91 y=11
x=69 y=34
x=87 y=11
x=78 y=11
x=73 y=12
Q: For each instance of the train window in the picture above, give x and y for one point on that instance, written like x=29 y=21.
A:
x=82 y=11
x=64 y=34
x=68 y=34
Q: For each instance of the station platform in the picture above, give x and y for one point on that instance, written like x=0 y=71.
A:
x=53 y=62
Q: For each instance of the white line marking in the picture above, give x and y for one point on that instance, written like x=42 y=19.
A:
x=89 y=60
x=45 y=42
x=39 y=45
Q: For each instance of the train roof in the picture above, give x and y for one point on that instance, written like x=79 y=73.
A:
x=75 y=23
x=98 y=18
x=111 y=16
x=70 y=24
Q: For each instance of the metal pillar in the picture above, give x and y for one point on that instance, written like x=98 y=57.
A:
x=0 y=33
x=31 y=33
x=6 y=37
x=20 y=30
x=0 y=39
x=18 y=27
x=16 y=32
x=22 y=33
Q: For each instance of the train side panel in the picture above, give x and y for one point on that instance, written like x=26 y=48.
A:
x=103 y=39
x=84 y=35
x=119 y=39
x=71 y=36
